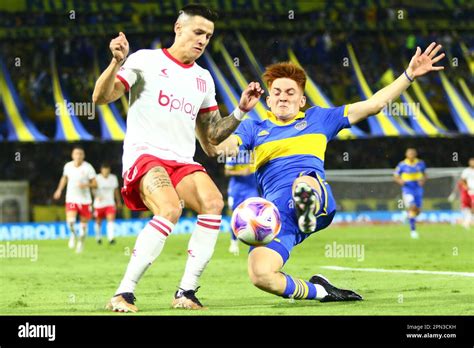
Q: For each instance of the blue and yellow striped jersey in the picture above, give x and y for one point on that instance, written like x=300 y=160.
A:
x=411 y=172
x=283 y=150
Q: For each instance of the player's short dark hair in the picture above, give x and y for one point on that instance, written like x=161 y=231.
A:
x=200 y=10
x=105 y=165
x=77 y=147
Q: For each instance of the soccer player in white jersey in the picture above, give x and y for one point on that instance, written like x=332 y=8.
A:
x=172 y=100
x=106 y=201
x=79 y=176
x=467 y=180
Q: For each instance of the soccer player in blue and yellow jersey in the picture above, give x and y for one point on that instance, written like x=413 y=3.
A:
x=289 y=150
x=242 y=185
x=410 y=175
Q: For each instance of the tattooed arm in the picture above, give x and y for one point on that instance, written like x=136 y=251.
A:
x=213 y=129
x=228 y=147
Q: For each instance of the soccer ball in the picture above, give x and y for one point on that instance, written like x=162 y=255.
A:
x=256 y=221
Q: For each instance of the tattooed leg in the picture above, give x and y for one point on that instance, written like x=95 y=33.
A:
x=159 y=195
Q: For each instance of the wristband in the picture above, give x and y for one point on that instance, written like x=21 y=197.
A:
x=408 y=77
x=238 y=113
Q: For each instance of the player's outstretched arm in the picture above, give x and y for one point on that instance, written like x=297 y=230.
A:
x=398 y=180
x=420 y=64
x=215 y=129
x=228 y=148
x=108 y=88
x=61 y=186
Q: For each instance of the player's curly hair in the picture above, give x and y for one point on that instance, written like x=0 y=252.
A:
x=282 y=70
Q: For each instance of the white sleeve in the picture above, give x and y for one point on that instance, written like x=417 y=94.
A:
x=91 y=175
x=65 y=170
x=128 y=73
x=116 y=183
x=464 y=174
x=209 y=103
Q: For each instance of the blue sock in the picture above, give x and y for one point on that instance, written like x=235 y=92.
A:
x=232 y=235
x=412 y=221
x=299 y=289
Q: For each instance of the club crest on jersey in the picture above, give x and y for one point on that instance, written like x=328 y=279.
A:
x=201 y=84
x=301 y=125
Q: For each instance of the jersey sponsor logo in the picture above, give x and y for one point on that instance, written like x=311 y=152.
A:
x=179 y=104
x=201 y=84
x=263 y=133
x=301 y=125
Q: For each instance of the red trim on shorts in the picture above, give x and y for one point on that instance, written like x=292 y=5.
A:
x=131 y=190
x=210 y=108
x=81 y=209
x=158 y=228
x=202 y=224
x=186 y=66
x=124 y=82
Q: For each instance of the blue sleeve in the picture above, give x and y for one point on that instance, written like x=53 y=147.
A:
x=230 y=162
x=398 y=169
x=245 y=134
x=332 y=119
x=422 y=166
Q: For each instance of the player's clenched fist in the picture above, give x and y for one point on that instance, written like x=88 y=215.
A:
x=119 y=47
x=250 y=96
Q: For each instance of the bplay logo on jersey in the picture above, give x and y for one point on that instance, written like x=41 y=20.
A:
x=172 y=103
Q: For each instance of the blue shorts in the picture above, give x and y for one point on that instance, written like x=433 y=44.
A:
x=290 y=235
x=412 y=197
x=233 y=200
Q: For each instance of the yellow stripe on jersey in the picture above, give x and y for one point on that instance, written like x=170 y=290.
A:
x=410 y=163
x=272 y=118
x=240 y=167
x=307 y=144
x=412 y=176
x=239 y=139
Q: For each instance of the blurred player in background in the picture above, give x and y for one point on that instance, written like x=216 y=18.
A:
x=289 y=157
x=467 y=187
x=79 y=177
x=172 y=100
x=410 y=175
x=242 y=185
x=106 y=201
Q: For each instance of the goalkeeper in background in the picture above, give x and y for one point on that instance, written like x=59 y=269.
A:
x=410 y=175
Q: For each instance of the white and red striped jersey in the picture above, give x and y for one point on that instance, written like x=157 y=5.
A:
x=76 y=176
x=468 y=175
x=104 y=193
x=165 y=97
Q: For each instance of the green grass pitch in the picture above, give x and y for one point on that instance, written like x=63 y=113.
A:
x=61 y=282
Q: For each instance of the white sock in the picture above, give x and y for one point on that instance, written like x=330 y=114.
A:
x=200 y=249
x=147 y=248
x=71 y=225
x=110 y=230
x=320 y=292
x=83 y=230
x=466 y=220
x=98 y=234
